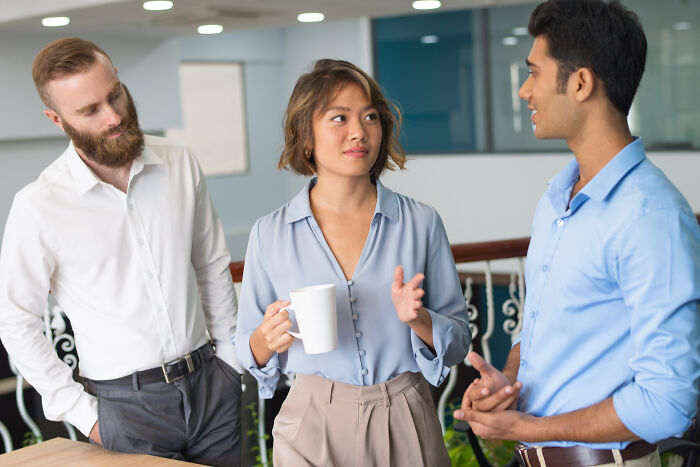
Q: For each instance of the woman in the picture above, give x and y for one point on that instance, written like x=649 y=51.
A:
x=364 y=403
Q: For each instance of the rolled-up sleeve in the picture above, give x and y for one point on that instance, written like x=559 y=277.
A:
x=659 y=274
x=448 y=310
x=257 y=293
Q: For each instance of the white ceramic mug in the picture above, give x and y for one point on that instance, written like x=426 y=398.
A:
x=314 y=309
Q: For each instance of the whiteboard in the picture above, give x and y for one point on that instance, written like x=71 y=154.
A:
x=213 y=115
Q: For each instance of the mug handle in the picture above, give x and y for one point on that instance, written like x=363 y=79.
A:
x=295 y=334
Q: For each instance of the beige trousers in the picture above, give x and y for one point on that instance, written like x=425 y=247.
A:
x=326 y=423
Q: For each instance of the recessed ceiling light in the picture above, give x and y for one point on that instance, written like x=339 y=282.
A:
x=510 y=40
x=210 y=29
x=426 y=4
x=157 y=5
x=682 y=26
x=520 y=31
x=55 y=21
x=429 y=39
x=310 y=17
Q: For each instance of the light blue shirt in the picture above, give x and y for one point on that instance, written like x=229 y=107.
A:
x=287 y=250
x=613 y=285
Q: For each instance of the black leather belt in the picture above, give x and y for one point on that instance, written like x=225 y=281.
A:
x=168 y=371
x=580 y=456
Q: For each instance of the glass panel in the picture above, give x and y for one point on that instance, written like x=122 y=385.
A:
x=666 y=112
x=509 y=46
x=426 y=63
x=433 y=66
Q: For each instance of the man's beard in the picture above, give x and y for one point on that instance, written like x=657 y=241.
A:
x=111 y=152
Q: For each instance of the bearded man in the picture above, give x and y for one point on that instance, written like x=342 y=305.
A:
x=121 y=230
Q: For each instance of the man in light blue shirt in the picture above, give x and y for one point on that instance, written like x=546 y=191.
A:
x=608 y=359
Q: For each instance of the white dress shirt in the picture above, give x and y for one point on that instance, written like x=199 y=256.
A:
x=142 y=275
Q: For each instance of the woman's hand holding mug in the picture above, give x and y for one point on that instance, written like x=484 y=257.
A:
x=272 y=332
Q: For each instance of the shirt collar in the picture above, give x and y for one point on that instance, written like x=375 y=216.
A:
x=148 y=157
x=85 y=178
x=602 y=184
x=387 y=204
x=615 y=170
x=300 y=207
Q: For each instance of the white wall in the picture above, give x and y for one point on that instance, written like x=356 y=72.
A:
x=147 y=66
x=304 y=44
x=480 y=196
x=343 y=40
x=493 y=196
x=241 y=199
x=29 y=141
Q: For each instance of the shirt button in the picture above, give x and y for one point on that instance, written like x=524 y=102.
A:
x=533 y=314
x=362 y=353
x=544 y=267
x=560 y=222
x=355 y=317
x=358 y=334
x=353 y=299
x=364 y=372
x=522 y=363
x=351 y=282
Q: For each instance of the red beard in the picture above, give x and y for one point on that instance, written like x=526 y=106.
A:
x=111 y=152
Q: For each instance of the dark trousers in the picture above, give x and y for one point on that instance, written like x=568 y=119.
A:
x=196 y=418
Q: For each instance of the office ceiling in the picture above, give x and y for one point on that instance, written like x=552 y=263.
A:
x=128 y=18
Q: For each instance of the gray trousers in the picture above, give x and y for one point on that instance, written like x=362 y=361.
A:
x=195 y=419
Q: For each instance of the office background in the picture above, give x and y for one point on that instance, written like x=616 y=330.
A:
x=472 y=160
x=454 y=73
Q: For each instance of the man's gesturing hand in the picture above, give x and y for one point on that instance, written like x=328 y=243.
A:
x=491 y=392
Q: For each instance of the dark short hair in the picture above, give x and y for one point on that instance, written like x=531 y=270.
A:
x=316 y=90
x=603 y=36
x=63 y=57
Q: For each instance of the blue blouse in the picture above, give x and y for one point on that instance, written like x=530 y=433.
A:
x=287 y=250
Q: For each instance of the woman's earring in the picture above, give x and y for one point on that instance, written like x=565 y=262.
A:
x=307 y=153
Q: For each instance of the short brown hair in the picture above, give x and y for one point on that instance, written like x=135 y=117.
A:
x=316 y=90
x=63 y=57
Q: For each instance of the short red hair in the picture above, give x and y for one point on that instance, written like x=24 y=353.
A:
x=63 y=57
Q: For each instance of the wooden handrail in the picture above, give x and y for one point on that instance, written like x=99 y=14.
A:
x=482 y=251
x=462 y=252
x=236 y=268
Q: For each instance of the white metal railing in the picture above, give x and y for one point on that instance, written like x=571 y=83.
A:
x=511 y=308
x=6 y=438
x=482 y=331
x=55 y=329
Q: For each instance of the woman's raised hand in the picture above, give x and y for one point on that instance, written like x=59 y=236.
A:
x=407 y=297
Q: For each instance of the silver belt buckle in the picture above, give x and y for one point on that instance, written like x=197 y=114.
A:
x=190 y=367
x=522 y=451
